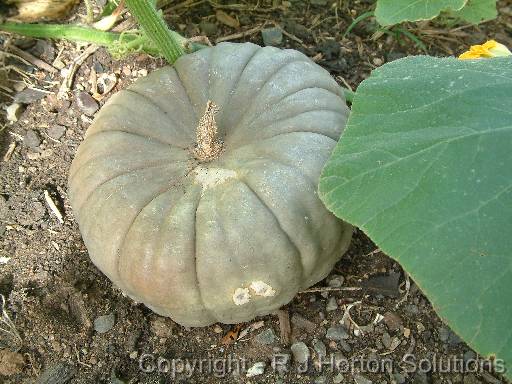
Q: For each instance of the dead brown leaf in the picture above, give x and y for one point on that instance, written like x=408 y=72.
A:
x=232 y=335
x=224 y=18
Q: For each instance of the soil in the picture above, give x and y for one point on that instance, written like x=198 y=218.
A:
x=74 y=326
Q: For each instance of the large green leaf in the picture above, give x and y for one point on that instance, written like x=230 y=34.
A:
x=389 y=12
x=425 y=169
x=477 y=11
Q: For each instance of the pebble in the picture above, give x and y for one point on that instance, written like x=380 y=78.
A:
x=266 y=337
x=337 y=379
x=257 y=369
x=272 y=36
x=392 y=321
x=360 y=379
x=58 y=374
x=56 y=131
x=104 y=323
x=28 y=96
x=31 y=139
x=469 y=355
x=161 y=328
x=332 y=304
x=337 y=332
x=399 y=378
x=412 y=309
x=447 y=336
x=302 y=323
x=386 y=340
x=319 y=347
x=345 y=346
x=13 y=112
x=3 y=205
x=300 y=352
x=320 y=380
x=11 y=363
x=86 y=103
x=336 y=281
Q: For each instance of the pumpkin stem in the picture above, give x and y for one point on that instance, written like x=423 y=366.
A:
x=208 y=147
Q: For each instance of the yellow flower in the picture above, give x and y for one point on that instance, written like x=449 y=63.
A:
x=489 y=49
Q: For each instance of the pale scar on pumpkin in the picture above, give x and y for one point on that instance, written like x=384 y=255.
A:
x=259 y=288
x=211 y=177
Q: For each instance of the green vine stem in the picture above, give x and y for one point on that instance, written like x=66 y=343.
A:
x=61 y=31
x=170 y=44
x=118 y=43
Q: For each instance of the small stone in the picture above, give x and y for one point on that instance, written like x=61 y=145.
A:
x=345 y=346
x=3 y=206
x=161 y=328
x=56 y=131
x=257 y=369
x=337 y=332
x=272 y=36
x=302 y=323
x=207 y=28
x=335 y=281
x=469 y=355
x=103 y=324
x=420 y=327
x=134 y=355
x=332 y=304
x=386 y=340
x=426 y=336
x=447 y=336
x=399 y=378
x=13 y=112
x=360 y=379
x=57 y=374
x=29 y=95
x=412 y=309
x=266 y=337
x=31 y=139
x=377 y=61
x=320 y=380
x=300 y=352
x=392 y=321
x=337 y=379
x=86 y=103
x=11 y=363
x=217 y=329
x=319 y=347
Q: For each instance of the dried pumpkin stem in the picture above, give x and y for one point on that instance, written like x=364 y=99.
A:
x=208 y=146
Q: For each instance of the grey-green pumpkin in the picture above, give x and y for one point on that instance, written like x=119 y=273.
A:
x=222 y=239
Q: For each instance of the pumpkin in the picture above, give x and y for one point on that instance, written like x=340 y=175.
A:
x=195 y=189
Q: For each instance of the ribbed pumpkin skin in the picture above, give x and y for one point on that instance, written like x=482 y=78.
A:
x=183 y=236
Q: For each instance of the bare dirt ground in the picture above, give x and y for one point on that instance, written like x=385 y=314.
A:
x=74 y=326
